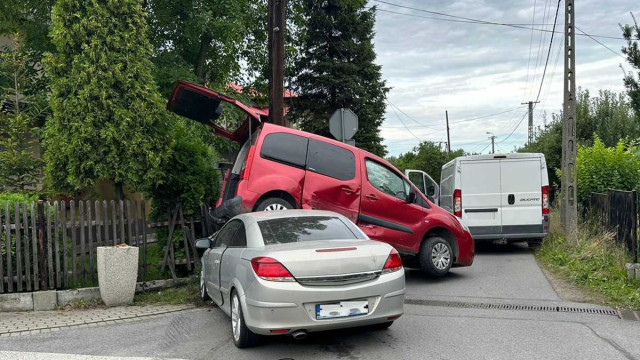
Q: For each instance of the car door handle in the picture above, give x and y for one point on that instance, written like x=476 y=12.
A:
x=216 y=262
x=348 y=190
x=371 y=197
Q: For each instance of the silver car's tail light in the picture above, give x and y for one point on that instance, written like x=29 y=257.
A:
x=270 y=269
x=394 y=263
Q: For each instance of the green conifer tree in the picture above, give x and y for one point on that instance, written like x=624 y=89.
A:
x=336 y=69
x=108 y=120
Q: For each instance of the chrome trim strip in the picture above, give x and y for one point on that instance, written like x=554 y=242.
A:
x=339 y=279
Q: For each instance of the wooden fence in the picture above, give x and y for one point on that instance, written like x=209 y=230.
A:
x=618 y=211
x=53 y=246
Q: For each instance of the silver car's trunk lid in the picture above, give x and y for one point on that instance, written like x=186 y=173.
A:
x=331 y=262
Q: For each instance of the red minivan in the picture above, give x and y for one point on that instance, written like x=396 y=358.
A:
x=281 y=168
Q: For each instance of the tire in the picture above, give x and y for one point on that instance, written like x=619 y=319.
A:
x=203 y=289
x=274 y=204
x=240 y=333
x=534 y=244
x=436 y=256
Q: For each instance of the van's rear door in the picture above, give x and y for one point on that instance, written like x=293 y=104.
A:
x=521 y=196
x=481 y=200
x=206 y=106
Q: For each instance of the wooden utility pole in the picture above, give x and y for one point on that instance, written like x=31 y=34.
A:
x=531 y=136
x=446 y=114
x=569 y=203
x=277 y=26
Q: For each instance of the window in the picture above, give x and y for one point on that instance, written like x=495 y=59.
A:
x=386 y=180
x=286 y=148
x=418 y=180
x=304 y=228
x=331 y=160
x=240 y=237
x=226 y=233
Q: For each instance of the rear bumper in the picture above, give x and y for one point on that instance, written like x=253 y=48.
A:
x=292 y=306
x=512 y=232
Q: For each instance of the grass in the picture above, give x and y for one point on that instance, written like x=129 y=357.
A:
x=594 y=262
x=188 y=294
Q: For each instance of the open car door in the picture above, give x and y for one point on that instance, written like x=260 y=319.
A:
x=425 y=184
x=205 y=106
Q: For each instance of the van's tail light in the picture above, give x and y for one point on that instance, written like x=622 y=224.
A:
x=457 y=203
x=270 y=269
x=545 y=200
x=394 y=263
x=247 y=165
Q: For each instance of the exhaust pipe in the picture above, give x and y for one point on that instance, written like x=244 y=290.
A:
x=299 y=334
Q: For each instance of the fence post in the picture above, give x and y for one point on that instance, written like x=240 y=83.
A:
x=41 y=241
x=634 y=228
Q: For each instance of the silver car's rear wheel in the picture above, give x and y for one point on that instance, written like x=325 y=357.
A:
x=242 y=336
x=235 y=318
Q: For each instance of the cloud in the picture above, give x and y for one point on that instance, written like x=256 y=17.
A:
x=473 y=70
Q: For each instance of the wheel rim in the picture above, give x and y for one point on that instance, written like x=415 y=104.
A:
x=235 y=317
x=202 y=282
x=440 y=256
x=275 y=207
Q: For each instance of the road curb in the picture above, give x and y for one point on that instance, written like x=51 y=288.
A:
x=49 y=300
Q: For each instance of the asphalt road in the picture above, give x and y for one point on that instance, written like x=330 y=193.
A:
x=500 y=275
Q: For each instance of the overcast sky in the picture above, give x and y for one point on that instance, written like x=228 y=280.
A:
x=475 y=70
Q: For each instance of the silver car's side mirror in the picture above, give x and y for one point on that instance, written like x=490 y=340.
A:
x=203 y=244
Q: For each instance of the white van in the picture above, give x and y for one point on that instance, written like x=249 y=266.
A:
x=500 y=197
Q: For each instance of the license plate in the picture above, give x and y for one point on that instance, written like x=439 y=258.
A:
x=342 y=309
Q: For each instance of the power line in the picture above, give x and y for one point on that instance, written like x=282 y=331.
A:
x=596 y=40
x=451 y=122
x=398 y=116
x=514 y=129
x=533 y=20
x=414 y=120
x=549 y=51
x=462 y=19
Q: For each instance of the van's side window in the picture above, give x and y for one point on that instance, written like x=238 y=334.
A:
x=331 y=160
x=386 y=180
x=287 y=148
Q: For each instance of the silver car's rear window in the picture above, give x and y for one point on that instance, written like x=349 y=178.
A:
x=305 y=228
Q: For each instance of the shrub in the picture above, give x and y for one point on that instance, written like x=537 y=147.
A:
x=601 y=168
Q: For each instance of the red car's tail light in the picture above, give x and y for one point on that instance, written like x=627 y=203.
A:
x=270 y=269
x=394 y=263
x=545 y=200
x=457 y=203
x=247 y=166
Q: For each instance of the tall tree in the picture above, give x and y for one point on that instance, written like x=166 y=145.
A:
x=427 y=157
x=21 y=107
x=337 y=69
x=199 y=40
x=108 y=120
x=632 y=34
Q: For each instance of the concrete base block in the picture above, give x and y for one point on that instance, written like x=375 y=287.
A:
x=45 y=300
x=67 y=296
x=117 y=273
x=16 y=302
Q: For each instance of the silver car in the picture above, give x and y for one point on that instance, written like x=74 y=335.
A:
x=298 y=271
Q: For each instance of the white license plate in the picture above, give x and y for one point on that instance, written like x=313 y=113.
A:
x=342 y=309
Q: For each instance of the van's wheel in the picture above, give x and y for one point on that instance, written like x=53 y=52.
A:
x=274 y=204
x=436 y=256
x=534 y=243
x=242 y=336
